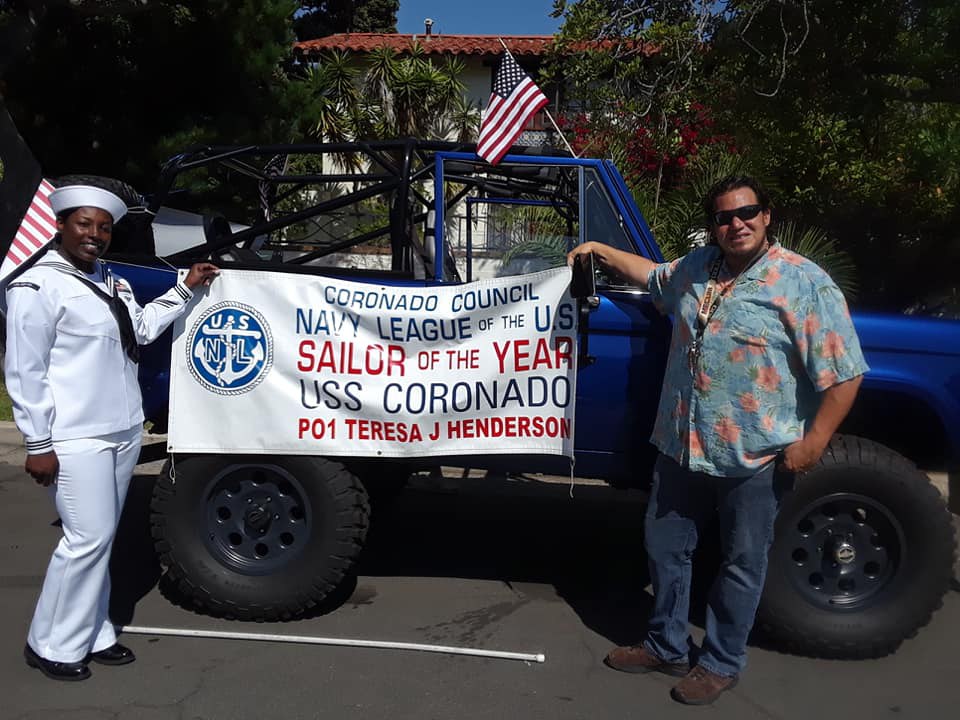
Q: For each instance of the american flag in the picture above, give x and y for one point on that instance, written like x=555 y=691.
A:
x=36 y=229
x=514 y=100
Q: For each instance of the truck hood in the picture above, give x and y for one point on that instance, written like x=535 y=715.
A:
x=908 y=333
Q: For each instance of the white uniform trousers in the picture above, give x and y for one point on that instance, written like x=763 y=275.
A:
x=71 y=619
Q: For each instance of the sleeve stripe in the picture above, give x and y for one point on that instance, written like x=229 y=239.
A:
x=37 y=447
x=23 y=284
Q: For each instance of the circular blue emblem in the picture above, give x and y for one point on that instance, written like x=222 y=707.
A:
x=230 y=349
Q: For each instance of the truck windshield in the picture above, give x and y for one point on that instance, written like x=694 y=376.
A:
x=510 y=219
x=603 y=223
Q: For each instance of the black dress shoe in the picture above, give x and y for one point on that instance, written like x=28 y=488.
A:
x=69 y=671
x=116 y=654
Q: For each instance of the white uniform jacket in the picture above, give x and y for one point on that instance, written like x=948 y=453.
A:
x=66 y=370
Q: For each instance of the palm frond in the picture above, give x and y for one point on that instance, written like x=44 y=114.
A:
x=543 y=232
x=815 y=245
x=552 y=249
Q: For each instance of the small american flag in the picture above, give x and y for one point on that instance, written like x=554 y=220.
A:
x=36 y=229
x=514 y=100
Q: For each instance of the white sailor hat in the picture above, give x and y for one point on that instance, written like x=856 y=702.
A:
x=74 y=196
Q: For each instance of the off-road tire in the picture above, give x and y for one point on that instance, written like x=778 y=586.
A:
x=863 y=555
x=228 y=552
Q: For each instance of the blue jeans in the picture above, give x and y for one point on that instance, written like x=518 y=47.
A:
x=681 y=505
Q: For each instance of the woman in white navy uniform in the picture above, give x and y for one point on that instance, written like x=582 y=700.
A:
x=73 y=331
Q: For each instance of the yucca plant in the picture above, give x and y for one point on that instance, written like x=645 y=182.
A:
x=333 y=82
x=392 y=95
x=461 y=122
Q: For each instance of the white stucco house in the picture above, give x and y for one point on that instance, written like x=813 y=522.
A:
x=479 y=53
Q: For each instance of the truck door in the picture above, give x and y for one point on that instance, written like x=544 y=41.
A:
x=619 y=388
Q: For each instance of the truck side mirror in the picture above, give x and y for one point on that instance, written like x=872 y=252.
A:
x=583 y=285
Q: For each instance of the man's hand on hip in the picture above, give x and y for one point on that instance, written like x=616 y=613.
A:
x=835 y=403
x=803 y=454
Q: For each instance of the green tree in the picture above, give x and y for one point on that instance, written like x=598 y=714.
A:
x=319 y=18
x=856 y=108
x=114 y=88
x=390 y=95
x=851 y=108
x=633 y=67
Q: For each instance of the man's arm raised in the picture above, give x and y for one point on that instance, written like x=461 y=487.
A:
x=634 y=268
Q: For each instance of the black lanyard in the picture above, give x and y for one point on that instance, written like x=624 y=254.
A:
x=711 y=301
x=711 y=298
x=708 y=306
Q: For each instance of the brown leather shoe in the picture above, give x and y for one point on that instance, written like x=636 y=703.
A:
x=701 y=687
x=637 y=659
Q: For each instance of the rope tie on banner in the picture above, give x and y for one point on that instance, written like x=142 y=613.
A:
x=573 y=462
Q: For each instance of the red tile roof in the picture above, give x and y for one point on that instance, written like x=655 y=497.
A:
x=531 y=45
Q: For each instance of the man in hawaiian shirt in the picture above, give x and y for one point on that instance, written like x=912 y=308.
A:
x=760 y=374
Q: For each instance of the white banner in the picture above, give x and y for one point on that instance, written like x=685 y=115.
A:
x=277 y=363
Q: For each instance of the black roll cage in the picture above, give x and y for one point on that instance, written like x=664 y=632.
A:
x=397 y=170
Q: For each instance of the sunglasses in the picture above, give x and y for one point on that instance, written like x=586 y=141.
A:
x=747 y=212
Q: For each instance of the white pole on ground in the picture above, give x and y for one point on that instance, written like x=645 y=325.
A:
x=310 y=640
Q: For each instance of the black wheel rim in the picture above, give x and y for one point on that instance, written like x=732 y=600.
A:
x=842 y=551
x=257 y=519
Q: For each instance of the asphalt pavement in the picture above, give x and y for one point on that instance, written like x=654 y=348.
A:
x=493 y=563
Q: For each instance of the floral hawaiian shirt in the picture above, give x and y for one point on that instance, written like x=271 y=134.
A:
x=781 y=334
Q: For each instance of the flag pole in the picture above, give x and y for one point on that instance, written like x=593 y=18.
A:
x=546 y=112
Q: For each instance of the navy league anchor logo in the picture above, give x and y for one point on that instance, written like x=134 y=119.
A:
x=230 y=349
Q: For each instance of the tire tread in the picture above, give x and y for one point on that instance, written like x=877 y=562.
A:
x=914 y=605
x=353 y=521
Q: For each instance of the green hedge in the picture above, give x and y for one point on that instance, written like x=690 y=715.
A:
x=6 y=413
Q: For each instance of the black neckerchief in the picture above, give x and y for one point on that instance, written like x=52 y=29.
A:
x=128 y=338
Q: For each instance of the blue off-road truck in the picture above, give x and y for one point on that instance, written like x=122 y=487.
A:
x=865 y=544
